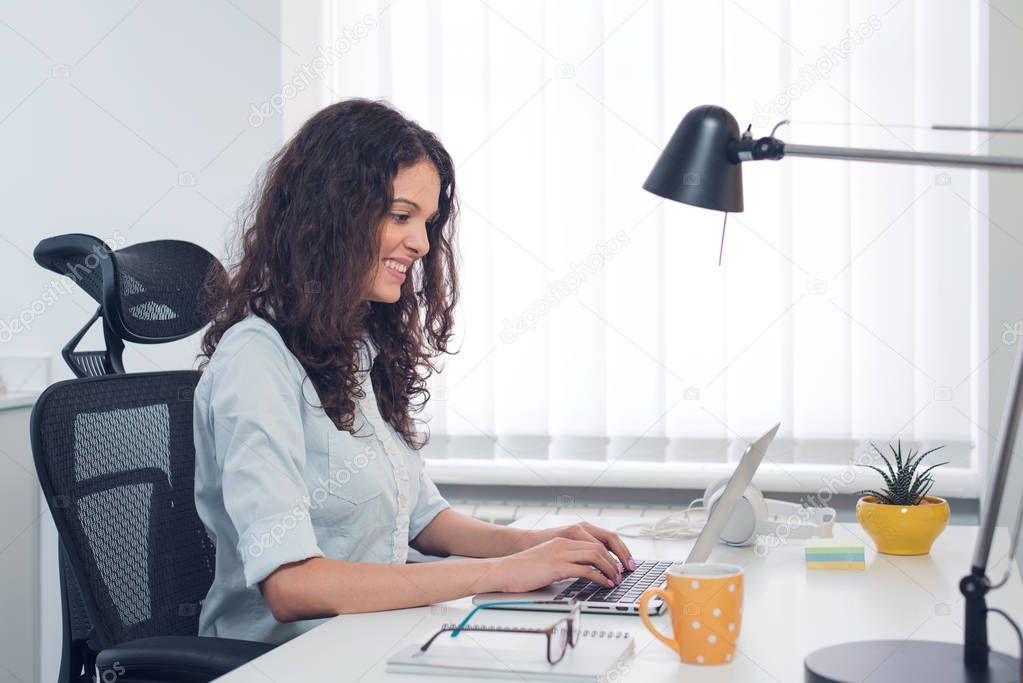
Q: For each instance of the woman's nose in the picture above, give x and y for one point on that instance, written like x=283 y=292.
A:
x=418 y=241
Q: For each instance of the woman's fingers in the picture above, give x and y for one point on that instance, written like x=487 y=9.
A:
x=614 y=542
x=596 y=555
x=590 y=538
x=586 y=536
x=609 y=539
x=585 y=571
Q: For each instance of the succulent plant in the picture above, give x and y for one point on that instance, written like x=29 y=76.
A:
x=904 y=486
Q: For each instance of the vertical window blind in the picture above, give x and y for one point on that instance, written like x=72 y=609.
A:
x=600 y=342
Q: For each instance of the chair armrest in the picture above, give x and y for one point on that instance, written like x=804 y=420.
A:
x=181 y=659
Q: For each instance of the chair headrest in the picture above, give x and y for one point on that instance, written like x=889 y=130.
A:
x=150 y=292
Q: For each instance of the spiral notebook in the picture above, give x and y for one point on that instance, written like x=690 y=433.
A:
x=598 y=657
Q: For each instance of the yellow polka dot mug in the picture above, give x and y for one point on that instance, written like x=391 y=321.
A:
x=704 y=601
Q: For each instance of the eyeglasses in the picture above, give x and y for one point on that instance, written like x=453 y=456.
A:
x=560 y=634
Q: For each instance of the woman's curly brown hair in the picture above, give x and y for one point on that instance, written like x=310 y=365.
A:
x=309 y=245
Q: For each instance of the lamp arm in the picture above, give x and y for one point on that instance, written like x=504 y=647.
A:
x=748 y=149
x=1000 y=474
x=898 y=157
x=976 y=585
x=977 y=129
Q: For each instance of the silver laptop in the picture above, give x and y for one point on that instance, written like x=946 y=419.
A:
x=624 y=598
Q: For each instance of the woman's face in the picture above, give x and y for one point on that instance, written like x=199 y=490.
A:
x=403 y=239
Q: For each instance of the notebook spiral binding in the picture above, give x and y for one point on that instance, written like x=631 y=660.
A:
x=594 y=633
x=588 y=633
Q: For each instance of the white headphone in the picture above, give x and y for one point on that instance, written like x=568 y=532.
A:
x=753 y=516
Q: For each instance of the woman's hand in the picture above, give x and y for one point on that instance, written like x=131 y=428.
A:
x=556 y=559
x=584 y=531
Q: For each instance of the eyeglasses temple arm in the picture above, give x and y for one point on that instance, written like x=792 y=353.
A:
x=484 y=605
x=433 y=638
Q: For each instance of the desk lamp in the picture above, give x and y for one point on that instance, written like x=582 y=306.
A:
x=701 y=166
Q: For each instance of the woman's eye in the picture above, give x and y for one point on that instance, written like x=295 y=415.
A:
x=400 y=217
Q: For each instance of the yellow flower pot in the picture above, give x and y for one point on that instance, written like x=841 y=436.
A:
x=903 y=529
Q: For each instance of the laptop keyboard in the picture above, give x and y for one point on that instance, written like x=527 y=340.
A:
x=647 y=574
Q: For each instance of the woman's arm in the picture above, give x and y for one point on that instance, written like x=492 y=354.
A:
x=319 y=587
x=454 y=533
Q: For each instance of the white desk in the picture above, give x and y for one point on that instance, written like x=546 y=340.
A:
x=789 y=611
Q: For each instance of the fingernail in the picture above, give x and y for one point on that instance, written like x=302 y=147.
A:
x=632 y=565
x=610 y=583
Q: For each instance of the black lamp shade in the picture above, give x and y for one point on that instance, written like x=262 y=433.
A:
x=695 y=168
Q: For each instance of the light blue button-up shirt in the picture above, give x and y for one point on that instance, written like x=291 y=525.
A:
x=277 y=482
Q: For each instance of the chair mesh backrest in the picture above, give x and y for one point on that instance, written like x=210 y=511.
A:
x=162 y=287
x=115 y=458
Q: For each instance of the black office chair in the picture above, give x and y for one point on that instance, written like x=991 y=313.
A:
x=116 y=462
x=115 y=459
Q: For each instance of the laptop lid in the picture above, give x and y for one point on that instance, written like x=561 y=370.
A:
x=736 y=486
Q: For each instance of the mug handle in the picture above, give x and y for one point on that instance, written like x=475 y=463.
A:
x=643 y=601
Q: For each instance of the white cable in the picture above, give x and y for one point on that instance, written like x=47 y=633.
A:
x=674 y=526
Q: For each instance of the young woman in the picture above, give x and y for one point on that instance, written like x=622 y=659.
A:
x=307 y=472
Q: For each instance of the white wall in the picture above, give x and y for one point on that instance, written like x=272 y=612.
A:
x=303 y=30
x=130 y=118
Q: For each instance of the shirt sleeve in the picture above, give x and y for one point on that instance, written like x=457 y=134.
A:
x=260 y=450
x=429 y=504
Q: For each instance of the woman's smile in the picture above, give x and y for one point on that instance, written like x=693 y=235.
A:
x=396 y=267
